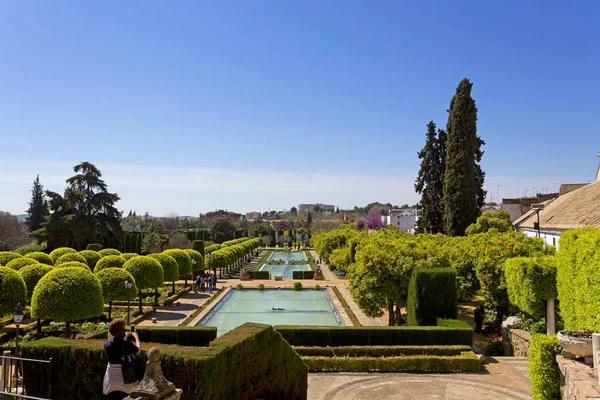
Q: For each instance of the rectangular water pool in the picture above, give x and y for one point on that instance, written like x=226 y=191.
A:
x=286 y=270
x=303 y=307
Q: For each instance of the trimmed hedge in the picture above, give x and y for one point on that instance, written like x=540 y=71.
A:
x=432 y=294
x=183 y=260
x=147 y=272
x=530 y=282
x=40 y=257
x=109 y=262
x=198 y=245
x=61 y=251
x=128 y=256
x=380 y=351
x=19 y=263
x=91 y=257
x=94 y=246
x=543 y=369
x=109 y=252
x=71 y=257
x=8 y=256
x=32 y=274
x=71 y=264
x=197 y=257
x=12 y=290
x=259 y=274
x=249 y=362
x=303 y=274
x=448 y=332
x=170 y=267
x=179 y=335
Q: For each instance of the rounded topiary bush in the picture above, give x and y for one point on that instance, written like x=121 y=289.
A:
x=128 y=256
x=112 y=281
x=67 y=294
x=8 y=256
x=147 y=272
x=73 y=264
x=32 y=274
x=91 y=257
x=70 y=258
x=169 y=265
x=109 y=252
x=19 y=263
x=94 y=247
x=40 y=257
x=109 y=262
x=12 y=290
x=61 y=251
x=183 y=261
x=197 y=261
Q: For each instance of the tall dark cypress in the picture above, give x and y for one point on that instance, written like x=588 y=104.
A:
x=463 y=178
x=38 y=207
x=429 y=183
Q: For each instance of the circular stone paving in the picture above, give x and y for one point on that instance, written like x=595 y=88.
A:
x=407 y=387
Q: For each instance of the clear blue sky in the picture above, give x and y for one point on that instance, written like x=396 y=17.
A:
x=189 y=106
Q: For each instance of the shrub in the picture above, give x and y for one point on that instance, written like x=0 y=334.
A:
x=30 y=248
x=67 y=294
x=259 y=274
x=94 y=246
x=212 y=247
x=109 y=262
x=32 y=274
x=448 y=332
x=112 y=281
x=12 y=290
x=197 y=261
x=183 y=260
x=317 y=287
x=61 y=251
x=432 y=294
x=179 y=335
x=91 y=257
x=147 y=273
x=543 y=369
x=19 y=263
x=198 y=245
x=303 y=274
x=170 y=267
x=530 y=282
x=380 y=351
x=72 y=264
x=577 y=278
x=109 y=252
x=69 y=258
x=128 y=256
x=8 y=256
x=40 y=257
x=493 y=348
x=261 y=287
x=239 y=286
x=249 y=362
x=297 y=285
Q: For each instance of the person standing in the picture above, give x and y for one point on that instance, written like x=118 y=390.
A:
x=117 y=349
x=198 y=280
x=210 y=284
x=478 y=317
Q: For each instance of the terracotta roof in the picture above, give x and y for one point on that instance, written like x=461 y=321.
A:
x=569 y=187
x=575 y=209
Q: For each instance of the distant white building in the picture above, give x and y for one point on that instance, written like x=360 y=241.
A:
x=405 y=218
x=319 y=206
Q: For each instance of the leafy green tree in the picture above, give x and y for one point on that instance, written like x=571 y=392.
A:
x=40 y=257
x=12 y=290
x=109 y=252
x=73 y=264
x=498 y=221
x=197 y=261
x=19 y=263
x=222 y=230
x=463 y=192
x=169 y=265
x=61 y=251
x=430 y=181
x=309 y=219
x=155 y=242
x=86 y=213
x=109 y=262
x=112 y=281
x=147 y=272
x=38 y=207
x=184 y=262
x=66 y=295
x=32 y=274
x=71 y=257
x=91 y=257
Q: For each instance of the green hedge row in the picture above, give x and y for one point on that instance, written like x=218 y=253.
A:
x=530 y=282
x=132 y=242
x=467 y=361
x=380 y=351
x=259 y=274
x=249 y=362
x=303 y=274
x=448 y=332
x=543 y=369
x=179 y=335
x=432 y=294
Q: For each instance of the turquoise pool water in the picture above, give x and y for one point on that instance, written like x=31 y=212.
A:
x=304 y=307
x=287 y=256
x=286 y=270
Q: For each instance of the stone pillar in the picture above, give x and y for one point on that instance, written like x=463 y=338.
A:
x=154 y=385
x=5 y=370
x=550 y=317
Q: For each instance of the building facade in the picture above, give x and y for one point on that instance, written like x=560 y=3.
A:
x=317 y=206
x=222 y=214
x=405 y=219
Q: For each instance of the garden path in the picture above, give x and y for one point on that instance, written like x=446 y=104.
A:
x=174 y=315
x=327 y=274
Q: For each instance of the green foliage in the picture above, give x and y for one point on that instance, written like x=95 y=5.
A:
x=179 y=335
x=183 y=260
x=38 y=207
x=73 y=264
x=577 y=278
x=91 y=257
x=169 y=265
x=543 y=369
x=67 y=294
x=112 y=281
x=212 y=248
x=261 y=287
x=239 y=286
x=19 y=263
x=13 y=290
x=69 y=258
x=463 y=194
x=530 y=282
x=109 y=262
x=432 y=294
x=498 y=221
x=340 y=259
x=8 y=256
x=197 y=257
x=198 y=245
x=61 y=251
x=493 y=348
x=40 y=257
x=30 y=248
x=32 y=274
x=303 y=274
x=317 y=287
x=249 y=362
x=127 y=256
x=448 y=332
x=297 y=286
x=380 y=351
x=259 y=274
x=326 y=242
x=109 y=252
x=223 y=230
x=146 y=271
x=94 y=246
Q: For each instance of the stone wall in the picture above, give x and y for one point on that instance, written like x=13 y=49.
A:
x=515 y=342
x=577 y=380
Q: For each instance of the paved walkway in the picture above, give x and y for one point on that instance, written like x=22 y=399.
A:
x=174 y=315
x=327 y=274
x=360 y=315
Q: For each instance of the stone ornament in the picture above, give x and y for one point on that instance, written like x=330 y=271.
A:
x=154 y=385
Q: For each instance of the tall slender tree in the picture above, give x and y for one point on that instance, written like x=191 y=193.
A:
x=38 y=207
x=463 y=177
x=429 y=183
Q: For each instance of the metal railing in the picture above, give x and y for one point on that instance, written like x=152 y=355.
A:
x=12 y=380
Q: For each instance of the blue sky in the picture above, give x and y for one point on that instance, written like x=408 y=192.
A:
x=189 y=106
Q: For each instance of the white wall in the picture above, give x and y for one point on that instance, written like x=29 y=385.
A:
x=551 y=237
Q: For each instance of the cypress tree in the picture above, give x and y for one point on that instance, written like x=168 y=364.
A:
x=429 y=183
x=463 y=177
x=38 y=207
